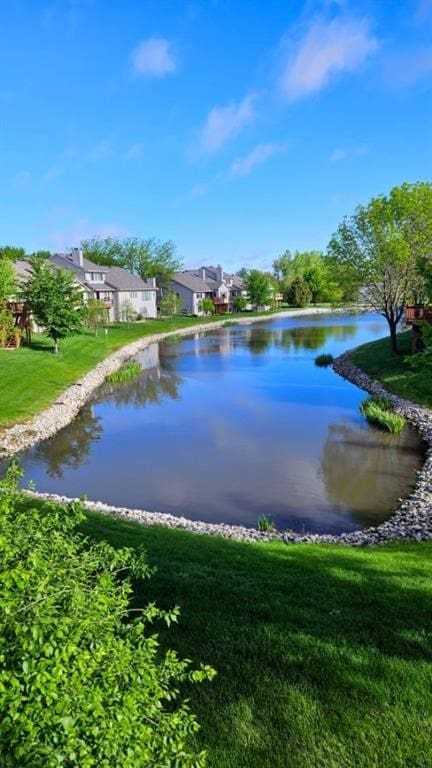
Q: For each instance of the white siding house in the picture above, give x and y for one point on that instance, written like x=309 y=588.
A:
x=121 y=292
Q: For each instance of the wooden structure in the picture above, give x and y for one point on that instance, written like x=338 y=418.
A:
x=221 y=305
x=22 y=322
x=415 y=315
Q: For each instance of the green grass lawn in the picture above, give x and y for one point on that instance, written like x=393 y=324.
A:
x=32 y=377
x=377 y=360
x=324 y=654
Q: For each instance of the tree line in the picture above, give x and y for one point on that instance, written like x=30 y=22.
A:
x=380 y=256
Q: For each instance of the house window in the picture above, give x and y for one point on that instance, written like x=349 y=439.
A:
x=96 y=277
x=133 y=294
x=146 y=295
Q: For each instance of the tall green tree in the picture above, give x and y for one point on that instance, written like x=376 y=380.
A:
x=299 y=294
x=258 y=286
x=8 y=282
x=382 y=248
x=83 y=680
x=41 y=254
x=55 y=300
x=312 y=268
x=12 y=252
x=146 y=258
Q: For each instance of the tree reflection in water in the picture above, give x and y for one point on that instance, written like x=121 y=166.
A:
x=70 y=448
x=366 y=473
x=305 y=337
x=151 y=386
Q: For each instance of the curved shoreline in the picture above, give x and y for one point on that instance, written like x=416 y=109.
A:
x=68 y=404
x=412 y=521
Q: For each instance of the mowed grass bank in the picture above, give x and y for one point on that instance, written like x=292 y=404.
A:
x=32 y=377
x=395 y=373
x=324 y=654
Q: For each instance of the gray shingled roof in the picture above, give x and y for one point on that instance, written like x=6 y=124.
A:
x=123 y=280
x=87 y=266
x=192 y=279
x=22 y=270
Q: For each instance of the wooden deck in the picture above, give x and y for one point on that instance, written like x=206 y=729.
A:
x=415 y=315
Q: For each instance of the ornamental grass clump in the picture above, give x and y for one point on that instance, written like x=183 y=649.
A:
x=173 y=338
x=83 y=680
x=125 y=373
x=378 y=411
x=322 y=361
x=265 y=524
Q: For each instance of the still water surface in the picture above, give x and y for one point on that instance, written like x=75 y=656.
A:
x=227 y=425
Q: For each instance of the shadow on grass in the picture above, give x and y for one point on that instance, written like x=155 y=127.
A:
x=323 y=653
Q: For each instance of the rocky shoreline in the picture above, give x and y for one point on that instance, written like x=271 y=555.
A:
x=412 y=521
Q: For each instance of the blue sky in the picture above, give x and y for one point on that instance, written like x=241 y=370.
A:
x=237 y=128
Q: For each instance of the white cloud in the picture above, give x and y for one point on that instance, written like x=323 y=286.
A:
x=242 y=166
x=327 y=49
x=340 y=154
x=154 y=57
x=134 y=151
x=225 y=123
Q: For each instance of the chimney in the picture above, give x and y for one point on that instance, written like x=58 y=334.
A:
x=219 y=274
x=151 y=281
x=75 y=255
x=203 y=273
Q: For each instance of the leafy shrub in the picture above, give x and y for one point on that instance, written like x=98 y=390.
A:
x=207 y=306
x=264 y=524
x=6 y=324
x=322 y=361
x=83 y=681
x=170 y=304
x=126 y=372
x=422 y=361
x=378 y=411
x=240 y=303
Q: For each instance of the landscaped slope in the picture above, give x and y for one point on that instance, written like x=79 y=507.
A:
x=377 y=360
x=32 y=377
x=324 y=654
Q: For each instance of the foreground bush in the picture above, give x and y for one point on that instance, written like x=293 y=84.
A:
x=377 y=410
x=82 y=680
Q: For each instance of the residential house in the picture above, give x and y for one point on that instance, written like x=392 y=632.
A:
x=120 y=291
x=194 y=285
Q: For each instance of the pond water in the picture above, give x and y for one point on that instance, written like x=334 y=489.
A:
x=227 y=425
